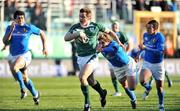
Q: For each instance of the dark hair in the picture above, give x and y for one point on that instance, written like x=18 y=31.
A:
x=18 y=12
x=154 y=23
x=86 y=10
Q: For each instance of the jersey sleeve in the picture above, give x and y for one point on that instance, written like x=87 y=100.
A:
x=101 y=27
x=7 y=30
x=72 y=28
x=124 y=38
x=161 y=42
x=35 y=30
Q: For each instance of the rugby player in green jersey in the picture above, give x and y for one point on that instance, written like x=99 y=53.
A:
x=85 y=35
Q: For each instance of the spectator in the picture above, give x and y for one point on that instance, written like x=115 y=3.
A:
x=37 y=17
x=169 y=50
x=164 y=5
x=173 y=6
x=140 y=5
x=9 y=10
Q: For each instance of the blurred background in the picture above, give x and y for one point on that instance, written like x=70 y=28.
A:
x=55 y=17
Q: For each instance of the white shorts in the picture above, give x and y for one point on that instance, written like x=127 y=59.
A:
x=91 y=59
x=27 y=57
x=157 y=69
x=127 y=70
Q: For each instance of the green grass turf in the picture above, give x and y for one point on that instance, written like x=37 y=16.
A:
x=64 y=94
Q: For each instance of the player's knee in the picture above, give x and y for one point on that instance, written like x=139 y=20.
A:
x=25 y=79
x=15 y=68
x=83 y=79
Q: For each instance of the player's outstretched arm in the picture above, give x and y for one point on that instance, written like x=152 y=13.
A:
x=44 y=43
x=7 y=36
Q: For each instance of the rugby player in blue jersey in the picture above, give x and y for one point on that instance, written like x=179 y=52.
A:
x=125 y=41
x=123 y=65
x=153 y=64
x=17 y=36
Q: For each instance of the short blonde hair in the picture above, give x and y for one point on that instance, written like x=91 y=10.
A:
x=105 y=37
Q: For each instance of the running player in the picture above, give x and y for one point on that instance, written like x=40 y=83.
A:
x=123 y=65
x=84 y=34
x=17 y=36
x=153 y=64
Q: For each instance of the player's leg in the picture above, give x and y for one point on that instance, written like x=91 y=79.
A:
x=84 y=74
x=151 y=80
x=160 y=93
x=145 y=74
x=114 y=82
x=130 y=93
x=30 y=86
x=15 y=67
x=158 y=72
x=96 y=86
x=86 y=66
x=168 y=79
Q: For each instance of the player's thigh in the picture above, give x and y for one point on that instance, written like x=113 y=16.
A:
x=123 y=81
x=86 y=71
x=87 y=65
x=131 y=80
x=145 y=74
x=17 y=64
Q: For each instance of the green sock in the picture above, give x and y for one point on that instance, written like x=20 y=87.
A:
x=115 y=84
x=98 y=88
x=167 y=77
x=85 y=92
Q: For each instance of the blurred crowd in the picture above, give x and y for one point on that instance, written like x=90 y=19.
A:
x=34 y=12
x=37 y=15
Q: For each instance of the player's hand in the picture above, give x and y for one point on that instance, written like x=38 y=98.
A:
x=13 y=24
x=82 y=37
x=45 y=52
x=99 y=48
x=141 y=46
x=4 y=48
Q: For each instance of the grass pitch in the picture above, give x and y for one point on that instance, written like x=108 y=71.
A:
x=64 y=94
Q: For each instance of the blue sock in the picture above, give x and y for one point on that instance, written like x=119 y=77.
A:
x=147 y=86
x=19 y=78
x=29 y=84
x=130 y=93
x=161 y=96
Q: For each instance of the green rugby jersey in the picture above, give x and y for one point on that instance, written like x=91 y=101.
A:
x=122 y=37
x=85 y=49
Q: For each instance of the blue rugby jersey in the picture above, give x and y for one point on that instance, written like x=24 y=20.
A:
x=20 y=38
x=115 y=54
x=155 y=45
